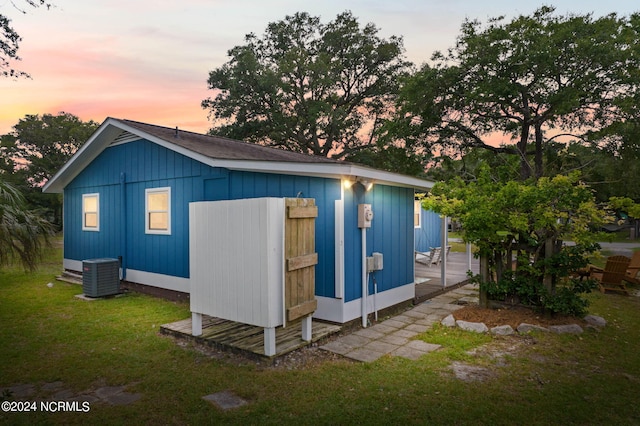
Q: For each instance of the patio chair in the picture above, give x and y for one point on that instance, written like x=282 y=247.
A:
x=631 y=275
x=424 y=257
x=432 y=257
x=612 y=277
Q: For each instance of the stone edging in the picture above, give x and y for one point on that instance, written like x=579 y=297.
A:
x=505 y=330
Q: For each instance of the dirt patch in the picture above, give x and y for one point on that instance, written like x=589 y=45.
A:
x=513 y=316
x=304 y=358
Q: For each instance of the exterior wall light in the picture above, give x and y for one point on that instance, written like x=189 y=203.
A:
x=366 y=184
x=347 y=183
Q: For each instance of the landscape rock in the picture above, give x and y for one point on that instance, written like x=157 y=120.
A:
x=503 y=330
x=526 y=328
x=566 y=329
x=449 y=321
x=595 y=320
x=476 y=327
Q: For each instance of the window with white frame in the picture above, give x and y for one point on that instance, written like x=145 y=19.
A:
x=158 y=210
x=90 y=212
x=417 y=213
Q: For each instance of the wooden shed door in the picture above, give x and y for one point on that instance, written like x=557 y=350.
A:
x=301 y=257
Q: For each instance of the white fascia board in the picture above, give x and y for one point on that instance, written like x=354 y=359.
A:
x=111 y=128
x=326 y=170
x=101 y=139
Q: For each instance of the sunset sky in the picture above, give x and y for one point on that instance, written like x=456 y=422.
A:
x=149 y=60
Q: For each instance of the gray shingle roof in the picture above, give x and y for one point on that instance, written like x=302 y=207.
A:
x=224 y=148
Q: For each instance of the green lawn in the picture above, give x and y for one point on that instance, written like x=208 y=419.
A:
x=47 y=335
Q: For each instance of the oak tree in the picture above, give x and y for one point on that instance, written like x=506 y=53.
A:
x=307 y=86
x=513 y=87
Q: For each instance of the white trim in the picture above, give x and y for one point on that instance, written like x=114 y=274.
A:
x=111 y=129
x=168 y=282
x=419 y=214
x=84 y=225
x=152 y=279
x=147 y=191
x=339 y=249
x=72 y=265
x=335 y=310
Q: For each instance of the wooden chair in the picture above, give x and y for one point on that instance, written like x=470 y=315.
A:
x=612 y=277
x=631 y=275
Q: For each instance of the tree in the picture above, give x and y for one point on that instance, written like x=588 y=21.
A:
x=304 y=86
x=9 y=41
x=36 y=149
x=529 y=219
x=525 y=83
x=22 y=232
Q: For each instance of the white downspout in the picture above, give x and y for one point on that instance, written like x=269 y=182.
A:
x=364 y=277
x=443 y=251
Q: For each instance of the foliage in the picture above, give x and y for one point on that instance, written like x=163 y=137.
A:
x=305 y=86
x=36 y=149
x=49 y=336
x=467 y=166
x=627 y=205
x=530 y=220
x=10 y=40
x=21 y=231
x=525 y=82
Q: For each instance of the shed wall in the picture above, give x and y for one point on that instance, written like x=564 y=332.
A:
x=390 y=234
x=428 y=235
x=121 y=174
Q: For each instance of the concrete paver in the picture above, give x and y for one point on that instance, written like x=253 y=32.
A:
x=370 y=333
x=417 y=328
x=394 y=323
x=364 y=355
x=396 y=336
x=394 y=340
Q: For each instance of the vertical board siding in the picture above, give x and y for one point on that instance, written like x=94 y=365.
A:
x=147 y=165
x=390 y=234
x=140 y=163
x=428 y=235
x=324 y=191
x=237 y=260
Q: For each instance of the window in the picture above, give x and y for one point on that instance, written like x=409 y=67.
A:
x=417 y=213
x=158 y=211
x=90 y=212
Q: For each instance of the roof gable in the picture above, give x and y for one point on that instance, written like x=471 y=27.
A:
x=219 y=152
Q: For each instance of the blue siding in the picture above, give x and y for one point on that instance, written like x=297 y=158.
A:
x=140 y=164
x=390 y=234
x=147 y=165
x=325 y=192
x=428 y=235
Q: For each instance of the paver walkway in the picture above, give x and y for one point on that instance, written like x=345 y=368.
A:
x=395 y=336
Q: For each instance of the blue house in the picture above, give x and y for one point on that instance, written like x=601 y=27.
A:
x=127 y=193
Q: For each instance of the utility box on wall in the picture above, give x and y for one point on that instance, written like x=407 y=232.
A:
x=100 y=277
x=365 y=215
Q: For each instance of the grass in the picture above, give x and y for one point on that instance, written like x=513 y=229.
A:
x=47 y=335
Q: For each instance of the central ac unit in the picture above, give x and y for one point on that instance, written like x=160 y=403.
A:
x=100 y=277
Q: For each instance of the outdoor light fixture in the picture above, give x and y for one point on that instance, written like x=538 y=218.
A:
x=366 y=184
x=348 y=183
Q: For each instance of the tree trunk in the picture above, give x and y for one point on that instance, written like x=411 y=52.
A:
x=484 y=277
x=549 y=250
x=538 y=159
x=525 y=168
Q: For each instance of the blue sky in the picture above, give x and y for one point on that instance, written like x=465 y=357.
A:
x=149 y=60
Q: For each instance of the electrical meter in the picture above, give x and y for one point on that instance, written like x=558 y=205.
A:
x=365 y=215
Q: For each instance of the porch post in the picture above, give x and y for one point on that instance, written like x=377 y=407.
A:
x=307 y=328
x=443 y=251
x=269 y=341
x=196 y=323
